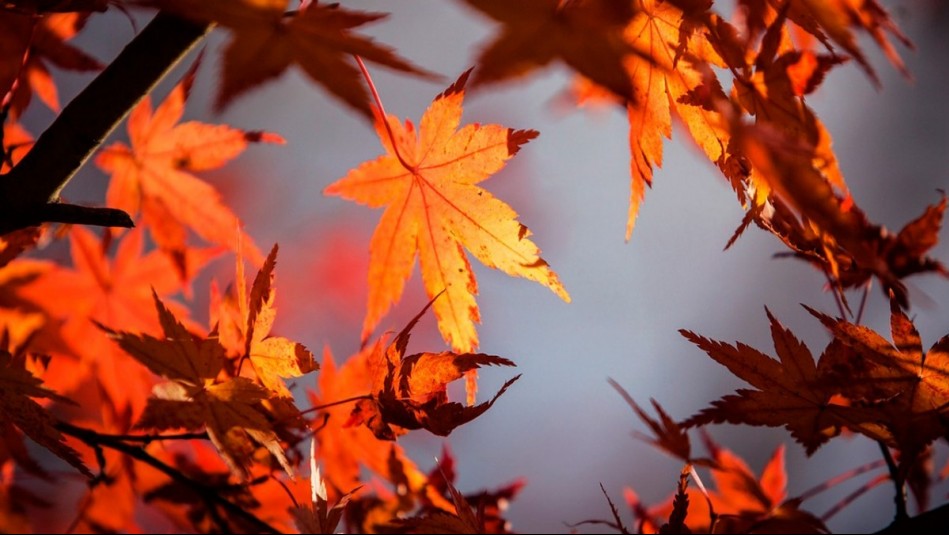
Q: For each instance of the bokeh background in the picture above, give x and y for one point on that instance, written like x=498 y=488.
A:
x=561 y=427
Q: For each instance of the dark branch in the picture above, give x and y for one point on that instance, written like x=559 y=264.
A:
x=898 y=482
x=211 y=495
x=27 y=191
x=64 y=213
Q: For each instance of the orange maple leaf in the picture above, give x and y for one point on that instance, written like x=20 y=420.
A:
x=16 y=142
x=268 y=39
x=152 y=175
x=832 y=20
x=669 y=78
x=115 y=292
x=244 y=325
x=428 y=183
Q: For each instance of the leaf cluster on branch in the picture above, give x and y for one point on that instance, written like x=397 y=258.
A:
x=103 y=364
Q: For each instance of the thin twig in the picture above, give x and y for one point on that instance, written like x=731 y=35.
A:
x=840 y=478
x=848 y=499
x=334 y=403
x=209 y=494
x=898 y=482
x=863 y=301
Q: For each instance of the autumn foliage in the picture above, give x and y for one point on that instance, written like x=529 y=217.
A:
x=175 y=422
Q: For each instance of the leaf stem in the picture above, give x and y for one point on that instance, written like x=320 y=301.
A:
x=898 y=482
x=848 y=499
x=382 y=111
x=840 y=478
x=335 y=403
x=211 y=495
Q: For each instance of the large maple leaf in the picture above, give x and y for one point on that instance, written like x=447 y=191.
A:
x=152 y=176
x=193 y=397
x=268 y=39
x=428 y=182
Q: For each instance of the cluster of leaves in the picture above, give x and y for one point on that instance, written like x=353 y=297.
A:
x=196 y=421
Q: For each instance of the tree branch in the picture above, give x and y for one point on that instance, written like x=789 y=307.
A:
x=27 y=191
x=211 y=495
x=898 y=481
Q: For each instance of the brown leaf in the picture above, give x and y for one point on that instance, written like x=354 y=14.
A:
x=587 y=35
x=267 y=38
x=230 y=409
x=670 y=436
x=18 y=387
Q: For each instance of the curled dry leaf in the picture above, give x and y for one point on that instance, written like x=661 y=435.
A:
x=409 y=392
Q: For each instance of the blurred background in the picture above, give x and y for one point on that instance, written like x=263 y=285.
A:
x=561 y=427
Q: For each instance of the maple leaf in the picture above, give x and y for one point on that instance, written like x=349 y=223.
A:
x=790 y=391
x=833 y=19
x=668 y=74
x=244 y=323
x=670 y=436
x=587 y=35
x=14 y=140
x=489 y=505
x=267 y=39
x=115 y=292
x=832 y=231
x=273 y=357
x=745 y=503
x=409 y=392
x=193 y=397
x=16 y=30
x=773 y=94
x=428 y=183
x=18 y=410
x=151 y=176
x=477 y=513
x=48 y=44
x=907 y=389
